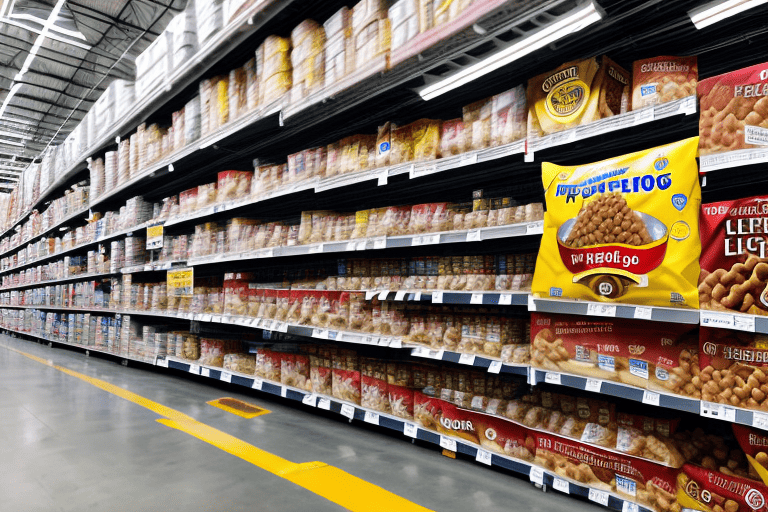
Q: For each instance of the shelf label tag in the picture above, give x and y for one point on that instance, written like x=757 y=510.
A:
x=226 y=377
x=400 y=295
x=537 y=475
x=448 y=443
x=552 y=378
x=384 y=341
x=467 y=359
x=193 y=368
x=360 y=245
x=476 y=298
x=284 y=392
x=597 y=496
x=383 y=295
x=600 y=309
x=437 y=297
x=397 y=342
x=257 y=383
x=370 y=294
x=163 y=363
x=494 y=367
x=760 y=420
x=324 y=404
x=382 y=178
x=593 y=385
x=410 y=430
x=380 y=242
x=561 y=485
x=628 y=506
x=468 y=159
x=531 y=303
x=205 y=372
x=309 y=399
x=505 y=299
x=484 y=457
x=371 y=417
x=744 y=323
x=535 y=228
x=712 y=319
x=351 y=246
x=643 y=312
x=348 y=411
x=474 y=235
x=651 y=398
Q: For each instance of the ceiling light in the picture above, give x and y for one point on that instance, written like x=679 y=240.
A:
x=11 y=143
x=4 y=133
x=575 y=21
x=717 y=11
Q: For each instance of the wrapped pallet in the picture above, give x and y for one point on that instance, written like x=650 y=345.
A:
x=404 y=18
x=209 y=17
x=154 y=64
x=339 y=54
x=124 y=97
x=307 y=59
x=371 y=31
x=183 y=35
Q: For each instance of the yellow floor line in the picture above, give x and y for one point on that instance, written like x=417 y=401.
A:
x=327 y=481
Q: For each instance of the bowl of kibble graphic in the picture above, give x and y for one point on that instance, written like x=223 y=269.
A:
x=607 y=234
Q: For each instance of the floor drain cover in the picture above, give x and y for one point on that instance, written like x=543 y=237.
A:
x=238 y=407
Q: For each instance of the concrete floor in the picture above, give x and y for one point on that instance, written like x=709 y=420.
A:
x=66 y=445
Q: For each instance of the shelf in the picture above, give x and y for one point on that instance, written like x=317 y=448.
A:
x=602 y=309
x=732 y=159
x=684 y=106
x=77 y=277
x=488 y=298
x=377 y=243
x=47 y=230
x=477 y=361
x=660 y=399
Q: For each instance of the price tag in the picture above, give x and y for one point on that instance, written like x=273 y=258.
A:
x=505 y=299
x=284 y=392
x=650 y=398
x=600 y=309
x=760 y=420
x=417 y=296
x=600 y=497
x=744 y=323
x=383 y=295
x=643 y=313
x=711 y=319
x=382 y=179
x=628 y=506
x=431 y=239
x=467 y=359
x=360 y=245
x=561 y=485
x=536 y=475
x=380 y=242
x=309 y=399
x=351 y=246
x=384 y=341
x=531 y=303
x=495 y=367
x=163 y=363
x=371 y=417
x=435 y=354
x=314 y=249
x=400 y=295
x=206 y=318
x=370 y=294
x=216 y=318
x=468 y=159
x=448 y=443
x=257 y=383
x=324 y=404
x=320 y=333
x=484 y=457
x=193 y=368
x=552 y=378
x=396 y=343
x=416 y=241
x=437 y=297
x=476 y=298
x=593 y=385
x=226 y=377
x=205 y=372
x=348 y=411
x=474 y=235
x=534 y=228
x=410 y=430
x=332 y=335
x=643 y=116
x=281 y=327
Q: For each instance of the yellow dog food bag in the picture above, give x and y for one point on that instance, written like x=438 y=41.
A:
x=623 y=230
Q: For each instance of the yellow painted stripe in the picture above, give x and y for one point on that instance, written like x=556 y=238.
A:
x=327 y=481
x=237 y=412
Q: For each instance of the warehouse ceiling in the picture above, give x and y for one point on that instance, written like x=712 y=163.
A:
x=56 y=58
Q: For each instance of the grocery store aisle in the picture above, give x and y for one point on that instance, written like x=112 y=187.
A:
x=66 y=444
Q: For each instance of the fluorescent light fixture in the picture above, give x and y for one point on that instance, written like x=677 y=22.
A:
x=575 y=21
x=11 y=143
x=717 y=11
x=4 y=133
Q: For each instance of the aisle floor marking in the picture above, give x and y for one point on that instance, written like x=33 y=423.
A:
x=330 y=482
x=238 y=407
